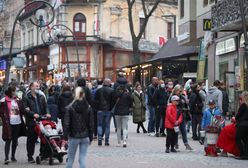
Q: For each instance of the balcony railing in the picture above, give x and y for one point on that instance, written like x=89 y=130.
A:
x=226 y=15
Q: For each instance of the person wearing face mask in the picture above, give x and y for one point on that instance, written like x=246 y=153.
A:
x=160 y=99
x=11 y=112
x=35 y=106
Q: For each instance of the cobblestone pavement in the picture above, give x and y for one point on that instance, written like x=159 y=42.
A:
x=142 y=151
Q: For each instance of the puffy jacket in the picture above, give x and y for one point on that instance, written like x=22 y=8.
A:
x=64 y=100
x=160 y=97
x=103 y=99
x=78 y=120
x=121 y=81
x=172 y=116
x=207 y=116
x=195 y=103
x=215 y=94
x=124 y=104
x=30 y=107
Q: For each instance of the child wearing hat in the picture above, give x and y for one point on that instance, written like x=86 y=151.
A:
x=172 y=120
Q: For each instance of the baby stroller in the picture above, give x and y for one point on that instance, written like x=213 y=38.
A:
x=47 y=150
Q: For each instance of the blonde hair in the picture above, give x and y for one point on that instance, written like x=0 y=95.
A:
x=245 y=97
x=176 y=88
x=78 y=95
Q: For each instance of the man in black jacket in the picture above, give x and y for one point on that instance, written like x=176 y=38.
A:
x=35 y=106
x=103 y=105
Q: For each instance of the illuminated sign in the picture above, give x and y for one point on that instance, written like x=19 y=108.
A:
x=207 y=24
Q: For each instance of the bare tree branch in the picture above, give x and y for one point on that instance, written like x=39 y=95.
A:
x=130 y=17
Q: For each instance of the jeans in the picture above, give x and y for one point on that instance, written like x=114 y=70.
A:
x=103 y=122
x=151 y=123
x=183 y=131
x=160 y=116
x=122 y=124
x=83 y=144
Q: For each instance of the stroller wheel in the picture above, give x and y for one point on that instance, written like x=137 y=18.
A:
x=60 y=159
x=50 y=161
x=38 y=160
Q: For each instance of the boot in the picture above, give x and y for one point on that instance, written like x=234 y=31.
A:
x=167 y=150
x=188 y=147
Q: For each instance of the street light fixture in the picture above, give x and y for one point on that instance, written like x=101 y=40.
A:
x=40 y=24
x=55 y=35
x=174 y=20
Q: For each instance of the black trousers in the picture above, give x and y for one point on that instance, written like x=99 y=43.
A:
x=31 y=140
x=160 y=116
x=170 y=138
x=196 y=121
x=15 y=132
x=140 y=124
x=241 y=140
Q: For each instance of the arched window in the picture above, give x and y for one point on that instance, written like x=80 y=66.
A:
x=79 y=24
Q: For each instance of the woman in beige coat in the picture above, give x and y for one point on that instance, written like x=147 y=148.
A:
x=139 y=107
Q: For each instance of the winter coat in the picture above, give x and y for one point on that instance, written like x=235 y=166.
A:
x=104 y=98
x=124 y=104
x=121 y=81
x=150 y=92
x=53 y=108
x=242 y=116
x=195 y=103
x=30 y=108
x=208 y=115
x=160 y=97
x=215 y=94
x=139 y=107
x=172 y=115
x=64 y=100
x=78 y=120
x=225 y=101
x=4 y=114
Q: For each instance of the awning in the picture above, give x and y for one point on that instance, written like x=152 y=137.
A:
x=18 y=62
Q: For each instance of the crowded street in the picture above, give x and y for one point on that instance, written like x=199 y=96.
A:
x=143 y=152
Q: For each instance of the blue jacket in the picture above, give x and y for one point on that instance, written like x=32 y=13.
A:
x=207 y=116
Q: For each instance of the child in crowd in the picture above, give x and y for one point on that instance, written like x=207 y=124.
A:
x=172 y=121
x=48 y=128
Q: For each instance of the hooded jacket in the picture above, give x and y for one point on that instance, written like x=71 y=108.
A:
x=64 y=100
x=215 y=94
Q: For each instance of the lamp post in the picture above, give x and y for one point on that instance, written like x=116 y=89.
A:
x=55 y=35
x=245 y=60
x=174 y=20
x=18 y=17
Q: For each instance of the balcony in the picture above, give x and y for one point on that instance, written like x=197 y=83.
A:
x=226 y=15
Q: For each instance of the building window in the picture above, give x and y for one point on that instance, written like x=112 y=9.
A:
x=169 y=30
x=79 y=21
x=211 y=1
x=182 y=8
x=142 y=20
x=205 y=3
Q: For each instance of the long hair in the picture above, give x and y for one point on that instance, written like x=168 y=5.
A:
x=245 y=97
x=78 y=95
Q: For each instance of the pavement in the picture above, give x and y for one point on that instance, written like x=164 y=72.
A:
x=142 y=151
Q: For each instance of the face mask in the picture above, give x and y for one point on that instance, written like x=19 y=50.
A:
x=162 y=85
x=37 y=90
x=170 y=86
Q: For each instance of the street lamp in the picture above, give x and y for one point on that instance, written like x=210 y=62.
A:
x=55 y=35
x=40 y=24
x=245 y=62
x=174 y=18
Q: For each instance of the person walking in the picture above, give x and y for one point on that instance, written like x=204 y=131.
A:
x=139 y=108
x=11 y=113
x=35 y=105
x=123 y=106
x=103 y=104
x=78 y=127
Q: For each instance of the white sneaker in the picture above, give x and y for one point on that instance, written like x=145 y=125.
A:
x=124 y=144
x=118 y=145
x=58 y=149
x=63 y=150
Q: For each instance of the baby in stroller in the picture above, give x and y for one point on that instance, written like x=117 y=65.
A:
x=54 y=132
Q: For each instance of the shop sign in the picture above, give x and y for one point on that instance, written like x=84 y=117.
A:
x=207 y=24
x=225 y=46
x=2 y=65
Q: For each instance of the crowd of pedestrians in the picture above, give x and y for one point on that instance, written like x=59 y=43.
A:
x=86 y=110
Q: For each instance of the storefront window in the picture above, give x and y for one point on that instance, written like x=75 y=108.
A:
x=225 y=46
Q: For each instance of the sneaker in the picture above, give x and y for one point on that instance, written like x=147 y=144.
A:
x=6 y=161
x=99 y=143
x=118 y=145
x=188 y=147
x=31 y=160
x=124 y=144
x=152 y=134
x=63 y=149
x=177 y=146
x=144 y=131
x=173 y=150
x=58 y=149
x=106 y=143
x=157 y=134
x=163 y=135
